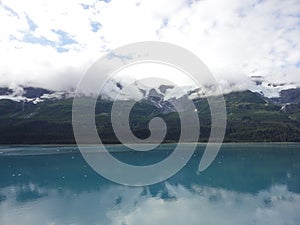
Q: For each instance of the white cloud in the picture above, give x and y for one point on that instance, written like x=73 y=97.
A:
x=52 y=43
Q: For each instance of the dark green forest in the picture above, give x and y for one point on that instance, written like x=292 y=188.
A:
x=251 y=118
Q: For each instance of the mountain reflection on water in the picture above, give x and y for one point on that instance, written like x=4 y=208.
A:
x=246 y=184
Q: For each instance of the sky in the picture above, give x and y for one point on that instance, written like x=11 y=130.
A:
x=52 y=44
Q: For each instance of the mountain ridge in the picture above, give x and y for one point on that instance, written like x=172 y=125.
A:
x=251 y=117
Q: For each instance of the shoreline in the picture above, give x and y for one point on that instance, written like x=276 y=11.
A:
x=119 y=144
x=44 y=150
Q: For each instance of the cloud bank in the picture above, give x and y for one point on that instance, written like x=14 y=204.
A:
x=51 y=44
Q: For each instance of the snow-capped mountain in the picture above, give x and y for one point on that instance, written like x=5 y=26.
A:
x=31 y=94
x=271 y=89
x=162 y=96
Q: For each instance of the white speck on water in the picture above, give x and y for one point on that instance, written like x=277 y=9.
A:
x=57 y=150
x=13 y=175
x=19 y=174
x=63 y=177
x=85 y=175
x=73 y=157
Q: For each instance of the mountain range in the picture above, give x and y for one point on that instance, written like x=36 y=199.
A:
x=30 y=115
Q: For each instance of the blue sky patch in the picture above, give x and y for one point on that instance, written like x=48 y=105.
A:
x=95 y=26
x=64 y=37
x=29 y=38
x=9 y=9
x=32 y=25
x=84 y=6
x=62 y=49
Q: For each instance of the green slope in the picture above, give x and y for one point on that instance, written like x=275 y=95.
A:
x=251 y=118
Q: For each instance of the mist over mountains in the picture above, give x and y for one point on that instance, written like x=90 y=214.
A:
x=30 y=115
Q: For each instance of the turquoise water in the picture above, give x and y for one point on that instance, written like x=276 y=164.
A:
x=246 y=184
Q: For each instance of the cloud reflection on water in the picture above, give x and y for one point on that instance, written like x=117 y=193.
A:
x=119 y=205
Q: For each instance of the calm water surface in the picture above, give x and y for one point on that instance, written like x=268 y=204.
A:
x=246 y=184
